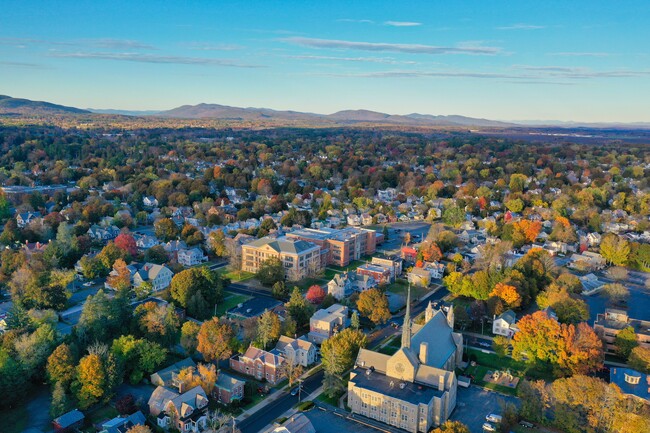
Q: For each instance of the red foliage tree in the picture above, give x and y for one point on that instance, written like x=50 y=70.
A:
x=126 y=242
x=315 y=294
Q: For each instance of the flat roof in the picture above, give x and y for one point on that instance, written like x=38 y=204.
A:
x=406 y=391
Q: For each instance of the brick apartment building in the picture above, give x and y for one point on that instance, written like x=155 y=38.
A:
x=260 y=364
x=342 y=245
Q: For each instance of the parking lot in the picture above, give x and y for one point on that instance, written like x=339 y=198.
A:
x=474 y=403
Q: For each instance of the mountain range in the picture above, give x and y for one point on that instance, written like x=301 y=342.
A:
x=24 y=107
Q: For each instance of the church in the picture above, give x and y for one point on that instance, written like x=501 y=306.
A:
x=415 y=388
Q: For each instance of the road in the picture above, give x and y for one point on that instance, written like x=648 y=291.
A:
x=269 y=413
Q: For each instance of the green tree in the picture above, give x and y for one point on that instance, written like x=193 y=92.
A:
x=33 y=349
x=298 y=307
x=453 y=216
x=517 y=182
x=625 y=341
x=189 y=335
x=191 y=281
x=338 y=354
x=500 y=346
x=354 y=320
x=13 y=380
x=270 y=271
x=280 y=290
x=268 y=328
x=217 y=243
x=639 y=359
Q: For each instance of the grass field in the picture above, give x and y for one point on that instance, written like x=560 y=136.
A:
x=400 y=287
x=392 y=346
x=230 y=300
x=517 y=368
x=235 y=276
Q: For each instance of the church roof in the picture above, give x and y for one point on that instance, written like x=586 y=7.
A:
x=438 y=334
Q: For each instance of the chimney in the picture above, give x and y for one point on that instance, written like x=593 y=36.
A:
x=424 y=346
x=441 y=382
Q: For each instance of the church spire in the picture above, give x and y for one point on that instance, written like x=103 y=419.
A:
x=406 y=327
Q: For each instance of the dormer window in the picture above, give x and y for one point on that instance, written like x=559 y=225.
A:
x=632 y=380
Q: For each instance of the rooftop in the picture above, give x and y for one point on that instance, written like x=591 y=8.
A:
x=285 y=245
x=406 y=391
x=254 y=307
x=625 y=378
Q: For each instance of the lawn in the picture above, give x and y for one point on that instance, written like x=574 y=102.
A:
x=518 y=368
x=392 y=346
x=400 y=287
x=334 y=401
x=230 y=300
x=479 y=371
x=235 y=276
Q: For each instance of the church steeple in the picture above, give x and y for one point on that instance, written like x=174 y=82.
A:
x=406 y=327
x=428 y=313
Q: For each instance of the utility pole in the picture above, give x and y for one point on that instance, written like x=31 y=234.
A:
x=299 y=390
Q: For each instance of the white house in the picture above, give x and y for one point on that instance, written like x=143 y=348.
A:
x=191 y=257
x=341 y=286
x=504 y=324
x=300 y=351
x=145 y=242
x=354 y=220
x=160 y=276
x=419 y=277
x=25 y=218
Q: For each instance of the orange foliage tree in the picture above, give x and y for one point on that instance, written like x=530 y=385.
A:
x=508 y=294
x=430 y=252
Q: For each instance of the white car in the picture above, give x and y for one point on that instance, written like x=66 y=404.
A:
x=88 y=284
x=489 y=427
x=494 y=418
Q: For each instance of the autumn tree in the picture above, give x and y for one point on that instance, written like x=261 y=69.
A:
x=217 y=243
x=616 y=293
x=60 y=403
x=615 y=249
x=452 y=427
x=582 y=350
x=525 y=231
x=120 y=279
x=215 y=340
x=126 y=243
x=158 y=323
x=315 y=294
x=61 y=365
x=280 y=290
x=538 y=339
x=500 y=346
x=165 y=229
x=508 y=294
x=203 y=375
x=568 y=308
x=91 y=380
x=373 y=304
x=430 y=252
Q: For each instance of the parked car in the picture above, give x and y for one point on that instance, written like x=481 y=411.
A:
x=526 y=424
x=489 y=427
x=295 y=391
x=494 y=418
x=88 y=284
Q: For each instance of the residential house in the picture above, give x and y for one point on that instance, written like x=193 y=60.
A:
x=354 y=220
x=185 y=411
x=587 y=261
x=145 y=242
x=326 y=322
x=298 y=423
x=173 y=247
x=505 y=324
x=122 y=424
x=167 y=377
x=68 y=421
x=366 y=219
x=341 y=286
x=160 y=276
x=419 y=277
x=104 y=234
x=380 y=274
x=409 y=254
x=415 y=388
x=435 y=269
x=23 y=219
x=297 y=350
x=299 y=258
x=260 y=364
x=191 y=257
x=613 y=321
x=227 y=389
x=150 y=201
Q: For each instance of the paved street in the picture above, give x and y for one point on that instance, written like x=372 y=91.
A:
x=325 y=421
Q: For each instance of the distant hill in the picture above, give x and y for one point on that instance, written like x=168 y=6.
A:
x=225 y=112
x=19 y=106
x=123 y=112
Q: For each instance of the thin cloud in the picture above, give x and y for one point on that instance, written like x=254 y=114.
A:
x=385 y=60
x=203 y=46
x=580 y=73
x=352 y=20
x=119 y=44
x=580 y=54
x=521 y=26
x=102 y=43
x=149 y=58
x=389 y=47
x=23 y=65
x=402 y=23
x=420 y=74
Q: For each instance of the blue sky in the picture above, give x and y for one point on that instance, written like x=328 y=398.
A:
x=565 y=60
